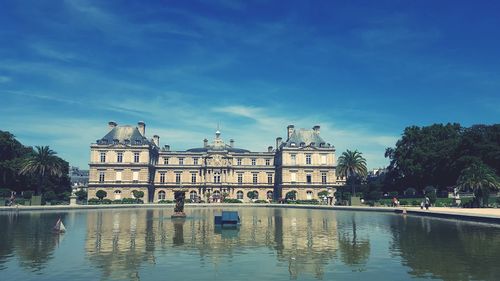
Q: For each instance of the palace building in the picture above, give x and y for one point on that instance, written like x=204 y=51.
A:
x=302 y=167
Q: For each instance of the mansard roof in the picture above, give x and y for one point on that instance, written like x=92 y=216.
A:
x=124 y=135
x=304 y=137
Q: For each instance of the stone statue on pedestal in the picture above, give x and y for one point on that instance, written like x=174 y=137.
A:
x=179 y=205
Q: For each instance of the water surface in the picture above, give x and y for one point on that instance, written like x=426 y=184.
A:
x=271 y=244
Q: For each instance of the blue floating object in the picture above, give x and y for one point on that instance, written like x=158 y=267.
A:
x=227 y=218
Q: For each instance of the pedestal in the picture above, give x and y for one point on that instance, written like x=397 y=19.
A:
x=355 y=201
x=72 y=200
x=36 y=200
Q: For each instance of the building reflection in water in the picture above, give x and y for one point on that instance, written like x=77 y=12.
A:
x=125 y=244
x=120 y=242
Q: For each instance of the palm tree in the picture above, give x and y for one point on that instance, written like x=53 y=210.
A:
x=42 y=163
x=481 y=179
x=352 y=164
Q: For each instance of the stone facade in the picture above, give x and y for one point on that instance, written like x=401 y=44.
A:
x=125 y=160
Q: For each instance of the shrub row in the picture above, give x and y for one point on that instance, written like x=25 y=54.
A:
x=105 y=201
x=309 y=202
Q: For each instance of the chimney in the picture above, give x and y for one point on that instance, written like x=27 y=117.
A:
x=316 y=129
x=278 y=142
x=142 y=127
x=112 y=125
x=167 y=147
x=290 y=130
x=231 y=143
x=156 y=140
x=269 y=149
x=205 y=143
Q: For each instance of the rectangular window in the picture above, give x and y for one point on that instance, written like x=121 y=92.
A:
x=119 y=157
x=308 y=159
x=118 y=175
x=136 y=157
x=162 y=177
x=195 y=161
x=308 y=178
x=216 y=177
x=240 y=178
x=193 y=177
x=103 y=157
x=135 y=176
x=268 y=162
x=255 y=176
x=293 y=158
x=177 y=178
x=238 y=161
x=323 y=178
x=323 y=159
x=293 y=177
x=101 y=176
x=269 y=178
x=165 y=161
x=181 y=161
x=254 y=161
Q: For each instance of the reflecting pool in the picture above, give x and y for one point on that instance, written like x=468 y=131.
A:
x=271 y=244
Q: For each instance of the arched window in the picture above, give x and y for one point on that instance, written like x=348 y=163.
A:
x=269 y=194
x=118 y=195
x=161 y=195
x=254 y=195
x=239 y=195
x=291 y=195
x=309 y=195
x=193 y=196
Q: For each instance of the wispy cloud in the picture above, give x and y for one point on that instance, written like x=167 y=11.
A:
x=51 y=53
x=4 y=79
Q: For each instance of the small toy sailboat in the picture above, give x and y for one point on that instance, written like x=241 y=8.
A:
x=59 y=227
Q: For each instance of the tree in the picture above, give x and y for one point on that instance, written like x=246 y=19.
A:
x=481 y=180
x=81 y=194
x=435 y=155
x=252 y=195
x=101 y=194
x=138 y=194
x=11 y=154
x=42 y=163
x=352 y=164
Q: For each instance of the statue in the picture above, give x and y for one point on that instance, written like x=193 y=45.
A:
x=179 y=205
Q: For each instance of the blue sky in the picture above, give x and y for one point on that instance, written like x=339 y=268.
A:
x=363 y=70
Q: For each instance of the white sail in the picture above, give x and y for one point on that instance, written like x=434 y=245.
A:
x=61 y=227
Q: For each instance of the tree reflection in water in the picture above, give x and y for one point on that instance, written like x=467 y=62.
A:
x=30 y=237
x=448 y=250
x=353 y=250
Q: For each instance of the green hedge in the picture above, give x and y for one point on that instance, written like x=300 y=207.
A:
x=440 y=202
x=229 y=200
x=308 y=202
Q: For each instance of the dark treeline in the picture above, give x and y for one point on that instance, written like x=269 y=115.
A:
x=436 y=155
x=13 y=157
